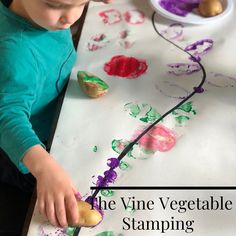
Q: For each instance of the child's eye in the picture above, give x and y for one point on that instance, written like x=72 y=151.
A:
x=54 y=5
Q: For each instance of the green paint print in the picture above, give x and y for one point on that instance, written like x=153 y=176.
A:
x=124 y=165
x=108 y=233
x=118 y=146
x=95 y=149
x=107 y=193
x=70 y=231
x=144 y=112
x=183 y=113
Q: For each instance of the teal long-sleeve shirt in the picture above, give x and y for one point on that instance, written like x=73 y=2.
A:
x=34 y=67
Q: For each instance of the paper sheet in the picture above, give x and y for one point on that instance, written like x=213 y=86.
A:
x=194 y=146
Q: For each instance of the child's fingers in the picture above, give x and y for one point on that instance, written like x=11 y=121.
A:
x=50 y=212
x=61 y=212
x=71 y=209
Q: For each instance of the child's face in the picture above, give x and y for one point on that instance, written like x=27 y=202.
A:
x=53 y=14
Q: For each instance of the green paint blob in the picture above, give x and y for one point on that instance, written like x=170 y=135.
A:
x=182 y=119
x=146 y=113
x=187 y=107
x=95 y=149
x=107 y=193
x=151 y=115
x=70 y=231
x=106 y=233
x=134 y=109
x=124 y=165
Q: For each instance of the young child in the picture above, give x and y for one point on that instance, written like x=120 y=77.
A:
x=37 y=56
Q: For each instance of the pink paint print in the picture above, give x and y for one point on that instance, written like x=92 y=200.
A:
x=97 y=41
x=126 y=67
x=125 y=39
x=159 y=138
x=111 y=16
x=134 y=17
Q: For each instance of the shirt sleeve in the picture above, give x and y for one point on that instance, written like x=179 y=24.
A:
x=18 y=88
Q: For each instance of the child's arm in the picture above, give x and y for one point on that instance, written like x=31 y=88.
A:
x=55 y=191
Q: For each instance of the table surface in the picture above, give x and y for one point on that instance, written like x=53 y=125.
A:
x=149 y=72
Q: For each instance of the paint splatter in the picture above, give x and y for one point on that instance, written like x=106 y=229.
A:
x=199 y=48
x=144 y=112
x=172 y=90
x=183 y=68
x=110 y=16
x=179 y=7
x=97 y=42
x=126 y=67
x=134 y=17
x=126 y=40
x=159 y=138
x=173 y=32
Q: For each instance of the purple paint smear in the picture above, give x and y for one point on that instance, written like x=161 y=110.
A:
x=179 y=7
x=110 y=176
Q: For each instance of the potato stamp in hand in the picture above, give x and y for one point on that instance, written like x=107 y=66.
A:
x=88 y=216
x=92 y=85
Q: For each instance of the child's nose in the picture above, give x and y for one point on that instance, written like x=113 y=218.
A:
x=68 y=18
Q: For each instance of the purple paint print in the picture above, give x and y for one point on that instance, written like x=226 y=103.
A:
x=220 y=80
x=179 y=7
x=173 y=32
x=199 y=48
x=172 y=90
x=183 y=68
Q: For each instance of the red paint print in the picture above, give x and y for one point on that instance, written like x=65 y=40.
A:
x=111 y=16
x=134 y=17
x=126 y=67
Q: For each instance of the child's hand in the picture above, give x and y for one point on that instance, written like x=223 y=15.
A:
x=55 y=191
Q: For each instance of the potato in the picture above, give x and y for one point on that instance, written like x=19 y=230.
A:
x=88 y=217
x=209 y=8
x=93 y=86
